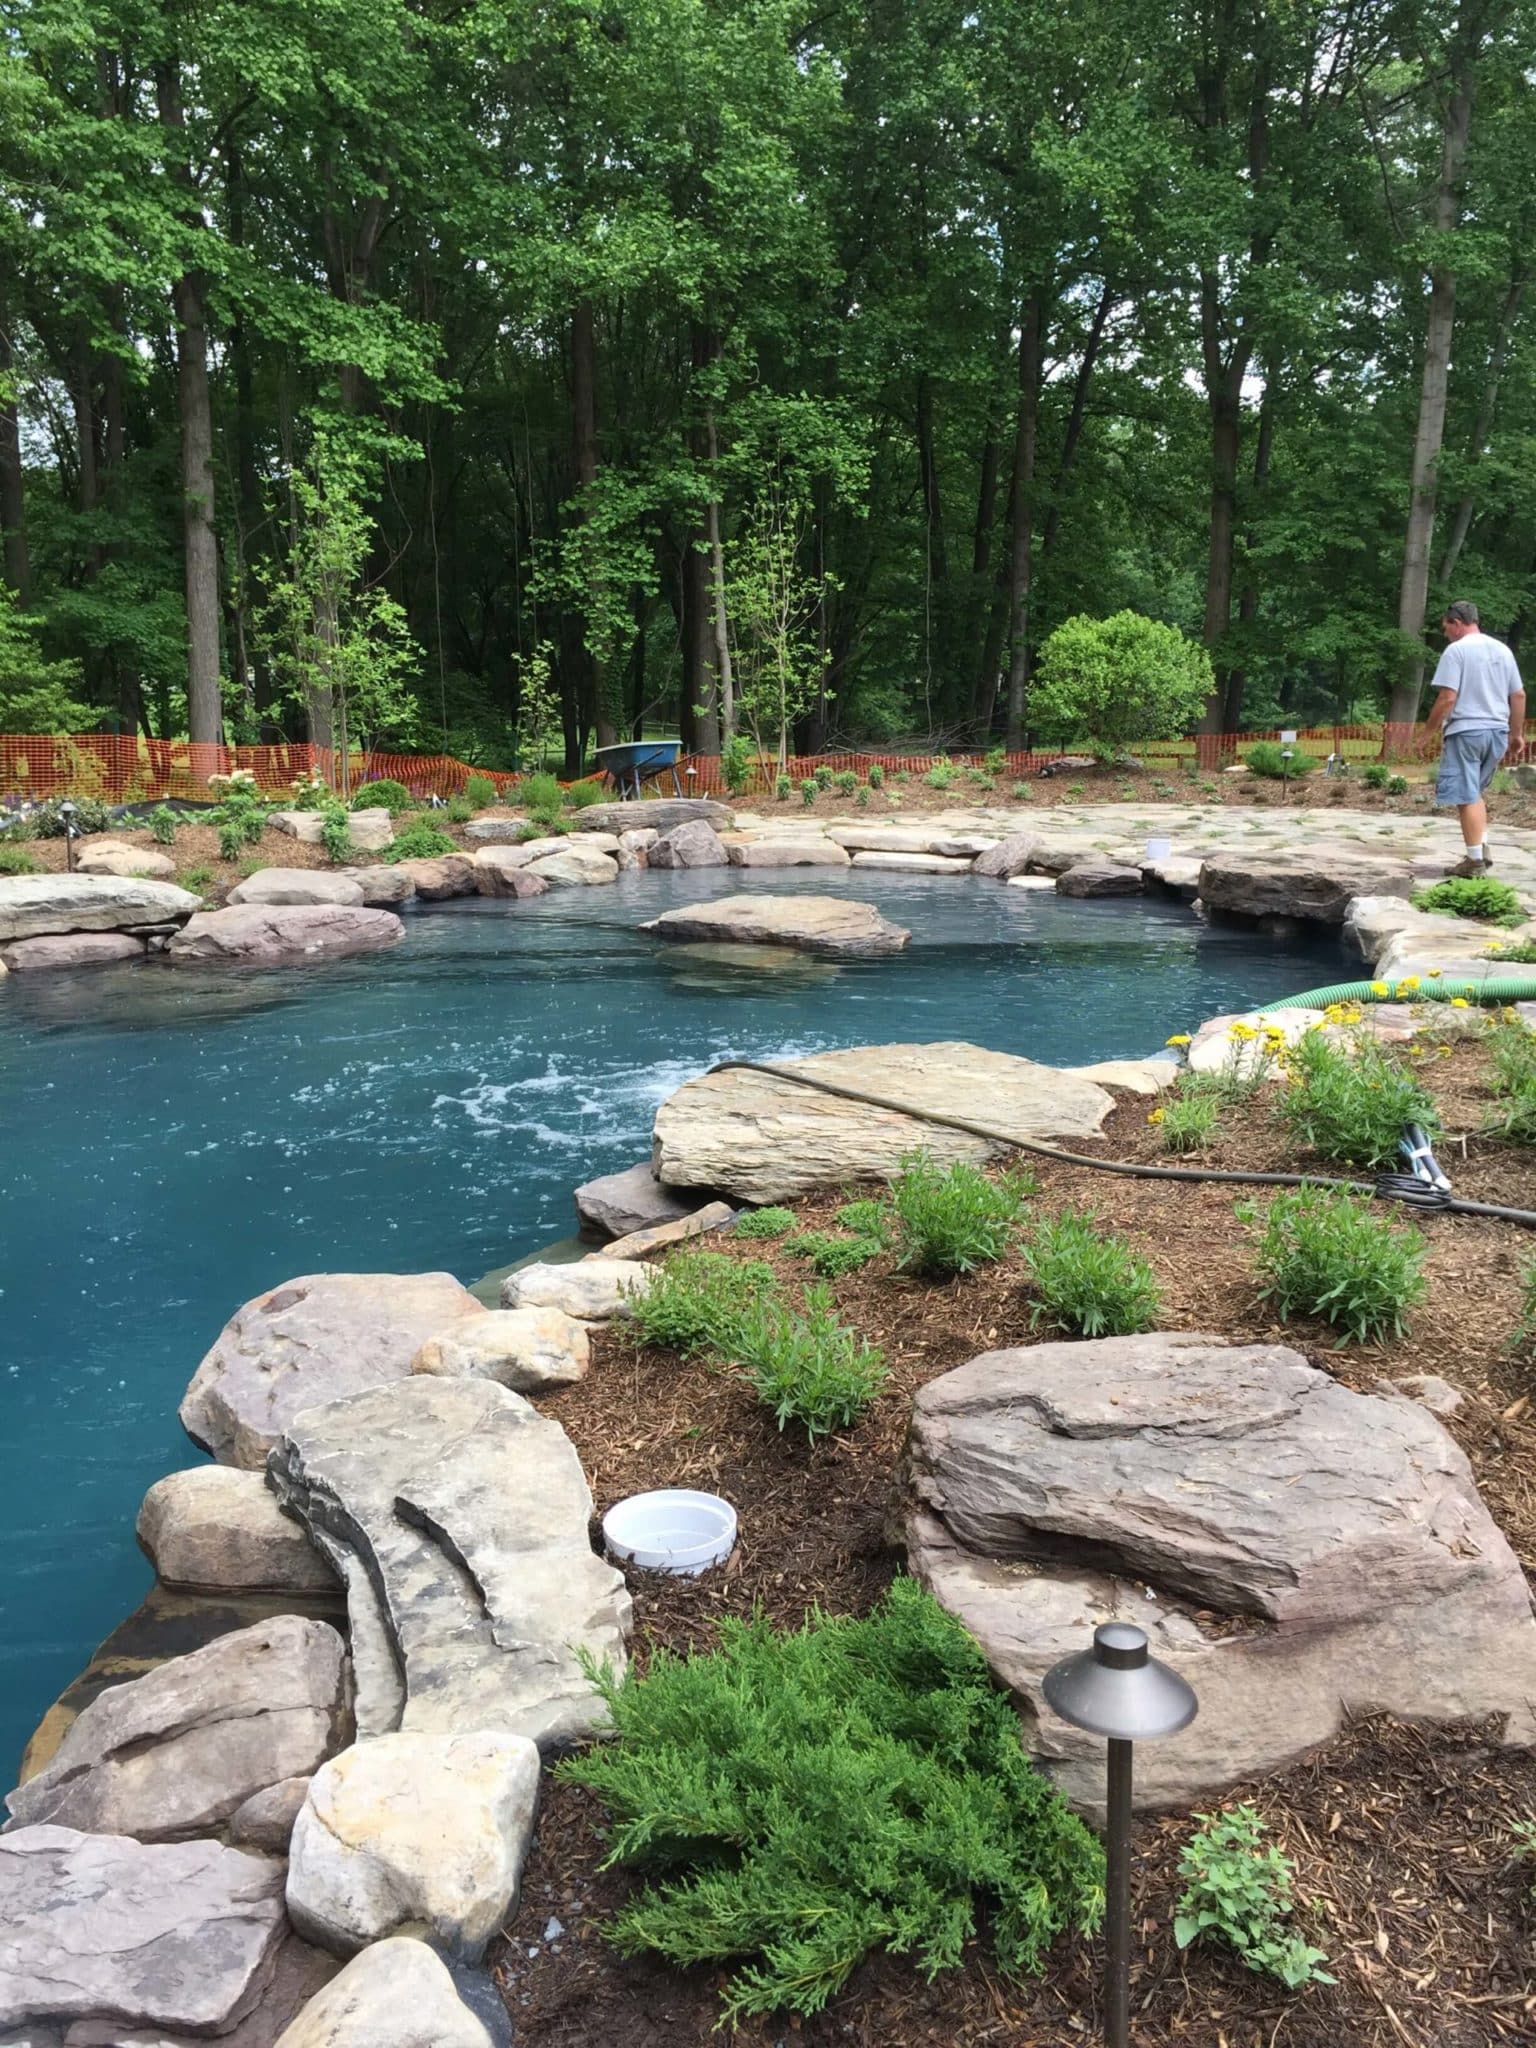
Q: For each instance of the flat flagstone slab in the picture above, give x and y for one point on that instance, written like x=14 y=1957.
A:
x=815 y=924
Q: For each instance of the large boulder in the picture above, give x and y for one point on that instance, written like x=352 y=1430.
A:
x=1010 y=857
x=1371 y=923
x=1298 y=1552
x=71 y=949
x=296 y=885
x=592 y=1290
x=441 y=876
x=265 y=1821
x=1099 y=877
x=370 y=830
x=940 y=841
x=1315 y=886
x=34 y=906
x=458 y=1517
x=383 y=887
x=799 y=851
x=915 y=863
x=575 y=867
x=763 y=1137
x=815 y=924
x=219 y=1529
x=656 y=814
x=314 y=1339
x=504 y=871
x=176 y=1752
x=180 y=1937
x=495 y=831
x=258 y=935
x=110 y=857
x=694 y=845
x=530 y=1350
x=414 y=1831
x=297 y=1973
x=616 y=1203
x=396 y=1994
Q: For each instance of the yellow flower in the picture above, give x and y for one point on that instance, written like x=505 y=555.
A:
x=1460 y=1003
x=1178 y=1038
x=1408 y=981
x=1241 y=1030
x=1379 y=988
x=1156 y=1117
x=1435 y=973
x=1444 y=1051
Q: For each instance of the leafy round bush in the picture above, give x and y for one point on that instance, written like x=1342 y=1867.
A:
x=1478 y=896
x=384 y=795
x=876 y=775
x=809 y=1369
x=1323 y=1253
x=479 y=792
x=91 y=815
x=1350 y=1101
x=420 y=840
x=1086 y=1282
x=1120 y=680
x=581 y=796
x=1268 y=759
x=798 y=1800
x=953 y=1219
x=1376 y=775
x=696 y=1300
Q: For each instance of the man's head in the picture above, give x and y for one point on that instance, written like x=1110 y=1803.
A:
x=1459 y=620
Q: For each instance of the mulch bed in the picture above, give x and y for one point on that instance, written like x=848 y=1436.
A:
x=1401 y=1836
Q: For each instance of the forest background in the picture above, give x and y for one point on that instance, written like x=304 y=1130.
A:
x=691 y=365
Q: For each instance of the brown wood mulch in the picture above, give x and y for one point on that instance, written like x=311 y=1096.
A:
x=1407 y=1876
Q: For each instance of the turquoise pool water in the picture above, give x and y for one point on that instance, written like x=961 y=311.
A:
x=173 y=1142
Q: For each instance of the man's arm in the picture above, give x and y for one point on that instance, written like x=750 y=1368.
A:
x=1516 y=723
x=1440 y=710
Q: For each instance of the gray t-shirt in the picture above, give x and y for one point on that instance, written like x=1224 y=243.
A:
x=1482 y=672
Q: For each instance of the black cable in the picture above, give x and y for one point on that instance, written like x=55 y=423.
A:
x=1401 y=1187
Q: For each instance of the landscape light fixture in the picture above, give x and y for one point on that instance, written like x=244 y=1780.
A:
x=1118 y=1690
x=67 y=813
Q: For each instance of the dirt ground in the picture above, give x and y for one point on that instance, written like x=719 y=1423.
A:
x=1406 y=1869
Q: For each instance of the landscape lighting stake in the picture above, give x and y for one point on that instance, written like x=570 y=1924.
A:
x=67 y=813
x=1118 y=1690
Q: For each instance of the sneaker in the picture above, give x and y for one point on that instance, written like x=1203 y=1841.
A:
x=1469 y=869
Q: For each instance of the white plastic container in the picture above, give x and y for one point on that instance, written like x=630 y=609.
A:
x=671 y=1530
x=1159 y=849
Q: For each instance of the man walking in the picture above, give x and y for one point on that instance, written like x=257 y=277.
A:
x=1480 y=700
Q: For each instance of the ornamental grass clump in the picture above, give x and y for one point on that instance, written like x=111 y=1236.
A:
x=809 y=1369
x=1239 y=1891
x=1478 y=896
x=1189 y=1120
x=695 y=1302
x=1349 y=1101
x=1324 y=1253
x=1086 y=1281
x=797 y=1801
x=952 y=1219
x=1513 y=1082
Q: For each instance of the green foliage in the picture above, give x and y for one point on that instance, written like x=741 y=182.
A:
x=198 y=879
x=737 y=762
x=869 y=1216
x=420 y=840
x=458 y=810
x=953 y=1219
x=336 y=835
x=810 y=789
x=1349 y=1101
x=1376 y=775
x=996 y=761
x=832 y=1256
x=1087 y=1282
x=47 y=821
x=862 y=799
x=1513 y=1082
x=876 y=776
x=15 y=860
x=1022 y=791
x=809 y=1369
x=1478 y=896
x=942 y=775
x=1268 y=759
x=845 y=782
x=1513 y=952
x=1118 y=681
x=1238 y=1890
x=479 y=792
x=797 y=1801
x=1523 y=1336
x=824 y=777
x=164 y=824
x=581 y=796
x=384 y=795
x=1190 y=1119
x=539 y=794
x=1397 y=785
x=240 y=816
x=1324 y=1254
x=36 y=695
x=783 y=789
x=695 y=1302
x=764 y=1223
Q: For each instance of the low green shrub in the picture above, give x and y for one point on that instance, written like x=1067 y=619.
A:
x=995 y=760
x=1324 y=1254
x=861 y=798
x=1086 y=1282
x=810 y=789
x=164 y=824
x=809 y=1369
x=198 y=879
x=941 y=775
x=421 y=840
x=1523 y=1336
x=1513 y=952
x=783 y=788
x=831 y=1256
x=1349 y=1101
x=824 y=776
x=458 y=810
x=1023 y=791
x=384 y=795
x=15 y=860
x=92 y=814
x=336 y=835
x=1478 y=896
x=1267 y=758
x=1190 y=1119
x=1513 y=1082
x=736 y=764
x=539 y=792
x=581 y=796
x=1077 y=789
x=479 y=792
x=951 y=1219
x=799 y=1800
x=695 y=1301
x=1239 y=1891
x=876 y=776
x=764 y=1223
x=1376 y=775
x=845 y=782
x=869 y=1216
x=542 y=825
x=1397 y=785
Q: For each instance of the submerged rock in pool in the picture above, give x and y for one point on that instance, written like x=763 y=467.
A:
x=817 y=924
x=737 y=969
x=282 y=935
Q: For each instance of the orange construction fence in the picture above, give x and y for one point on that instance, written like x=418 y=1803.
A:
x=122 y=767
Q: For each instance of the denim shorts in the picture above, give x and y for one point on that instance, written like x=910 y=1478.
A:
x=1468 y=761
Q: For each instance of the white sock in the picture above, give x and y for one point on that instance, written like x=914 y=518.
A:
x=1475 y=852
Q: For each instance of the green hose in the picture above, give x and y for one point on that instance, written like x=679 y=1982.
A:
x=1497 y=988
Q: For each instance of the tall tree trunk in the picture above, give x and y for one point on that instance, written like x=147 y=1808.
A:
x=15 y=560
x=699 y=665
x=1487 y=407
x=1020 y=563
x=1248 y=602
x=717 y=583
x=196 y=417
x=981 y=578
x=1413 y=592
x=592 y=692
x=935 y=551
x=1072 y=439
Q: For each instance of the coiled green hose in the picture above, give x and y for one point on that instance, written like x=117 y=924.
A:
x=1496 y=988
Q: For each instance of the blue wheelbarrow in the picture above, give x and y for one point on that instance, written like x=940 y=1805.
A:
x=638 y=761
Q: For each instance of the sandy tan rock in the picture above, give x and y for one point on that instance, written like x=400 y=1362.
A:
x=296 y=885
x=100 y=858
x=395 y=1994
x=264 y=1823
x=442 y=876
x=575 y=867
x=383 y=887
x=915 y=863
x=641 y=1243
x=530 y=1350
x=592 y=1289
x=36 y=906
x=1314 y=886
x=788 y=852
x=216 y=1528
